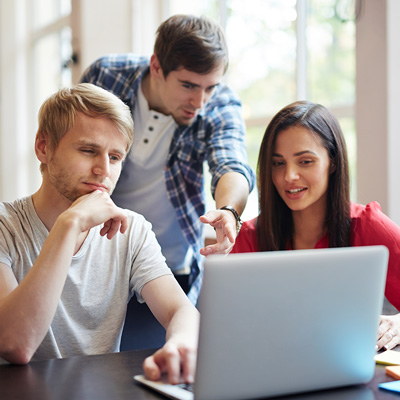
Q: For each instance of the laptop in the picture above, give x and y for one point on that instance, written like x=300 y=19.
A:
x=279 y=323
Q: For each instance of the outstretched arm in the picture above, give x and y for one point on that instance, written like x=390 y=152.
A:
x=232 y=190
x=180 y=318
x=27 y=309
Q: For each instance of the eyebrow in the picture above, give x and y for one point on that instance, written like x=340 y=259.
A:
x=300 y=153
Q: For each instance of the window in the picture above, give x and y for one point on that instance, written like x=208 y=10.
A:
x=281 y=51
x=51 y=47
x=35 y=42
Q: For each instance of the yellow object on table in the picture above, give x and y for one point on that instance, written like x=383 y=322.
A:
x=388 y=357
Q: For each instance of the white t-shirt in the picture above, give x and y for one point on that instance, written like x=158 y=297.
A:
x=103 y=276
x=146 y=192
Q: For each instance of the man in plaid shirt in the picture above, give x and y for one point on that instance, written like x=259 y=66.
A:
x=183 y=116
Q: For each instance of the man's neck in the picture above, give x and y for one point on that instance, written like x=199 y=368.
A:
x=49 y=206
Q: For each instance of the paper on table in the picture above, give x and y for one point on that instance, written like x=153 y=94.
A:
x=392 y=386
x=388 y=357
x=393 y=371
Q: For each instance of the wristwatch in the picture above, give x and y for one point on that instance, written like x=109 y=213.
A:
x=236 y=215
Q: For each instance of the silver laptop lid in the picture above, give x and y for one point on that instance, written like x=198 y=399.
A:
x=285 y=322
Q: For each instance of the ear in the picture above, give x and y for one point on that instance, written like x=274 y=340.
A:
x=42 y=147
x=332 y=168
x=155 y=67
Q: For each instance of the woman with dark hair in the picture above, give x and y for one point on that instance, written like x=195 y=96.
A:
x=304 y=200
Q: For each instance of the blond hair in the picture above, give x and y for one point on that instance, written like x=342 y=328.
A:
x=57 y=114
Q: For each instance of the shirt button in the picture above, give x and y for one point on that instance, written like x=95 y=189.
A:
x=155 y=116
x=151 y=128
x=146 y=140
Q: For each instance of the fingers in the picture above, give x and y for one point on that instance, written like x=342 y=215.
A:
x=388 y=340
x=97 y=208
x=205 y=219
x=151 y=369
x=124 y=224
x=391 y=340
x=166 y=359
x=172 y=360
x=112 y=226
x=189 y=365
x=223 y=247
x=228 y=232
x=388 y=332
x=224 y=224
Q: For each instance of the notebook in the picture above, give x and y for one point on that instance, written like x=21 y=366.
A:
x=277 y=323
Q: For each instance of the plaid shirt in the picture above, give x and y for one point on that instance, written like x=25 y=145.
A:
x=217 y=135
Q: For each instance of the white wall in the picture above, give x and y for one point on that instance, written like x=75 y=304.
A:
x=94 y=22
x=393 y=112
x=377 y=105
x=99 y=27
x=16 y=158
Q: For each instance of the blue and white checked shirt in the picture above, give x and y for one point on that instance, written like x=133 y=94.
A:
x=217 y=135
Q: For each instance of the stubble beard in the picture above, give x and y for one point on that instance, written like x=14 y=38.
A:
x=60 y=179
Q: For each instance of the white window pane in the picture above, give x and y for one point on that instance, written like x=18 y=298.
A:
x=204 y=7
x=49 y=64
x=66 y=54
x=48 y=11
x=331 y=54
x=262 y=46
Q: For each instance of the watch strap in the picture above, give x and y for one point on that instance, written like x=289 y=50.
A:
x=236 y=215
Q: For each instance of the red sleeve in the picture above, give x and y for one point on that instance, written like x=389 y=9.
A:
x=370 y=226
x=246 y=241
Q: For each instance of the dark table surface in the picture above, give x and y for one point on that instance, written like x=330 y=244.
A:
x=110 y=376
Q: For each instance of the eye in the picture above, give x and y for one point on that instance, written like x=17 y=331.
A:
x=87 y=151
x=211 y=89
x=115 y=158
x=306 y=162
x=187 y=86
x=277 y=163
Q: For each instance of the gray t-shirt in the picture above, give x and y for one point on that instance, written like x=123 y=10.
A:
x=103 y=276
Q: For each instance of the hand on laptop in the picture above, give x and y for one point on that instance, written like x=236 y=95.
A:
x=388 y=332
x=179 y=361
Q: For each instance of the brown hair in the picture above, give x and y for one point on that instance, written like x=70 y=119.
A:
x=275 y=223
x=57 y=114
x=194 y=43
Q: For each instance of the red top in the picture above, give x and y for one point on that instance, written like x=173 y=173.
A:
x=369 y=226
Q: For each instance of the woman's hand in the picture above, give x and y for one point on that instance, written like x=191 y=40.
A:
x=388 y=332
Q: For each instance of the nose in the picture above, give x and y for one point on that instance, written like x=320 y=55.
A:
x=199 y=99
x=291 y=173
x=102 y=166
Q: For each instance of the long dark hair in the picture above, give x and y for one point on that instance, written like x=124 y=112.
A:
x=275 y=223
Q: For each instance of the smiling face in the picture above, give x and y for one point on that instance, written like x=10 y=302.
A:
x=183 y=93
x=300 y=170
x=88 y=157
